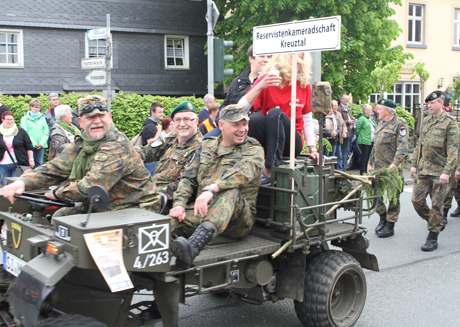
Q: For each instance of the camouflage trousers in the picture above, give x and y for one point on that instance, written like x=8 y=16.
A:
x=228 y=211
x=454 y=191
x=430 y=185
x=392 y=213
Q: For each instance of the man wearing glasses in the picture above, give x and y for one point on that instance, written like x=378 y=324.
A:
x=177 y=151
x=102 y=156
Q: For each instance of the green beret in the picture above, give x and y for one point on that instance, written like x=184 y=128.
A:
x=387 y=103
x=184 y=106
x=433 y=96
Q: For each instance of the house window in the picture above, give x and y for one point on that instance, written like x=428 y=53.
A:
x=176 y=52
x=94 y=48
x=457 y=28
x=11 y=48
x=415 y=31
x=405 y=94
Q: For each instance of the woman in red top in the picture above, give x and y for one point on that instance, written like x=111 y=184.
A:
x=270 y=100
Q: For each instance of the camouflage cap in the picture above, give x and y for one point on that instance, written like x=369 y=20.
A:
x=434 y=95
x=233 y=113
x=92 y=105
x=389 y=104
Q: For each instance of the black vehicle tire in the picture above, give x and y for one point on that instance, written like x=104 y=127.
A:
x=335 y=291
x=71 y=321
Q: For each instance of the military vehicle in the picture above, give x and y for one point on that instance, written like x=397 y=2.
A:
x=307 y=245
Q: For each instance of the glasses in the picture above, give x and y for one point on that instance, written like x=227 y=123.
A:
x=184 y=120
x=87 y=109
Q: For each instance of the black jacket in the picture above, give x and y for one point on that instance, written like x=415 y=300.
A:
x=21 y=144
x=238 y=87
x=149 y=130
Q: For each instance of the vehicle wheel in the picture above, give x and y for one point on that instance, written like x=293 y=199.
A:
x=71 y=321
x=334 y=293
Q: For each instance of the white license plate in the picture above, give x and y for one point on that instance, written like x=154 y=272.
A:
x=12 y=263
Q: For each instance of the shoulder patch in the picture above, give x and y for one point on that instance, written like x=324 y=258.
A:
x=402 y=131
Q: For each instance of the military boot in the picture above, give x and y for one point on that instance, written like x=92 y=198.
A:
x=431 y=242
x=387 y=230
x=445 y=212
x=381 y=224
x=456 y=212
x=186 y=250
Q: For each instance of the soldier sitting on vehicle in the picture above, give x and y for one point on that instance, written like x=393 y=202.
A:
x=225 y=177
x=102 y=156
x=177 y=151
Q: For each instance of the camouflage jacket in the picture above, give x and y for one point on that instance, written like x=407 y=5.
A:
x=390 y=144
x=238 y=167
x=437 y=147
x=116 y=167
x=173 y=158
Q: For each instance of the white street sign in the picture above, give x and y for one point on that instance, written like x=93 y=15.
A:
x=92 y=63
x=97 y=33
x=97 y=77
x=317 y=34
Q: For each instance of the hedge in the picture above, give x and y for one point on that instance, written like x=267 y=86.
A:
x=129 y=110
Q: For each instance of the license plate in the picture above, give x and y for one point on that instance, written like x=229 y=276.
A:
x=12 y=263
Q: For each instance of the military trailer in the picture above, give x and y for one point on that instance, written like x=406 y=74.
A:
x=299 y=249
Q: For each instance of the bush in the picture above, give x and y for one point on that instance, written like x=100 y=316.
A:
x=129 y=110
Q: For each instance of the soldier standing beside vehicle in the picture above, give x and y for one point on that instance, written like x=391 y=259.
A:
x=226 y=178
x=177 y=151
x=389 y=151
x=101 y=157
x=434 y=162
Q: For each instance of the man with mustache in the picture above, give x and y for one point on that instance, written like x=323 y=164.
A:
x=102 y=156
x=225 y=177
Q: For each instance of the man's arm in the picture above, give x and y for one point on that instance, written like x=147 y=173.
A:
x=109 y=165
x=452 y=148
x=402 y=146
x=188 y=183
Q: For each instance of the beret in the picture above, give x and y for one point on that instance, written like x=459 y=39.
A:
x=433 y=96
x=387 y=103
x=184 y=106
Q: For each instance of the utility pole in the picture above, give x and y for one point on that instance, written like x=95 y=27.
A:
x=108 y=63
x=210 y=47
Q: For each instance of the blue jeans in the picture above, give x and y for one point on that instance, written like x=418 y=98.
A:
x=39 y=156
x=8 y=170
x=345 y=149
x=337 y=152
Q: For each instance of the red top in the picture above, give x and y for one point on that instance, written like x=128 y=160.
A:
x=274 y=96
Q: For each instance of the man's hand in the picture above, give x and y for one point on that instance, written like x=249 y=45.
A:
x=201 y=204
x=444 y=179
x=393 y=167
x=9 y=191
x=457 y=175
x=50 y=195
x=370 y=167
x=413 y=171
x=313 y=153
x=38 y=146
x=177 y=213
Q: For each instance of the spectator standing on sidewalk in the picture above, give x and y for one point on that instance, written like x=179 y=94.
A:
x=390 y=150
x=364 y=137
x=63 y=131
x=209 y=102
x=433 y=162
x=54 y=101
x=349 y=123
x=36 y=126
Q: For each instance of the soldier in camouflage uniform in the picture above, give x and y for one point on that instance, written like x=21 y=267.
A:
x=434 y=162
x=389 y=151
x=225 y=177
x=103 y=157
x=177 y=151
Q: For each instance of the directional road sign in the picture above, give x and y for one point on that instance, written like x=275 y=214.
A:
x=97 y=33
x=92 y=63
x=97 y=77
x=317 y=34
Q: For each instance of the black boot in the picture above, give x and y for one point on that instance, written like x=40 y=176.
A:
x=387 y=230
x=456 y=212
x=186 y=250
x=445 y=212
x=381 y=224
x=431 y=242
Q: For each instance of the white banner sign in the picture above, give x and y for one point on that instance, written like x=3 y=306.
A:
x=97 y=77
x=97 y=33
x=92 y=63
x=317 y=34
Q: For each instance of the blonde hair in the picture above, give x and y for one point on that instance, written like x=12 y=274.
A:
x=283 y=63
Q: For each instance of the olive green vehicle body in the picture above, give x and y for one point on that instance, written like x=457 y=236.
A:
x=268 y=265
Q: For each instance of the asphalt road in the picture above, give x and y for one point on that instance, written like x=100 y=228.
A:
x=413 y=288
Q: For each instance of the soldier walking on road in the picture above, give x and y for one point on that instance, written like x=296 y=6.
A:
x=389 y=151
x=225 y=177
x=434 y=161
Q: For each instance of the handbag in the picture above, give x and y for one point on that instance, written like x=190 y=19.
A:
x=19 y=169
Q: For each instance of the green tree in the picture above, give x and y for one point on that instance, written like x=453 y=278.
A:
x=367 y=32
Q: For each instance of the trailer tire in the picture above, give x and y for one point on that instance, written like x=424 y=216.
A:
x=334 y=293
x=73 y=320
